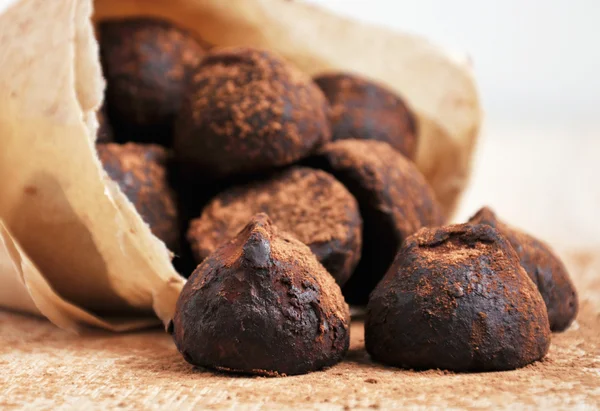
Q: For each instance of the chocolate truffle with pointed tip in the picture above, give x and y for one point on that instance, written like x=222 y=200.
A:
x=456 y=298
x=363 y=109
x=394 y=198
x=246 y=111
x=140 y=171
x=309 y=204
x=146 y=63
x=544 y=268
x=262 y=304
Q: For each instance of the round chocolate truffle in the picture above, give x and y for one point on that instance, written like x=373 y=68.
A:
x=362 y=109
x=309 y=204
x=262 y=304
x=247 y=111
x=456 y=298
x=140 y=171
x=544 y=268
x=394 y=199
x=146 y=63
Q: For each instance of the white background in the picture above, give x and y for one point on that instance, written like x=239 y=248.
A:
x=537 y=64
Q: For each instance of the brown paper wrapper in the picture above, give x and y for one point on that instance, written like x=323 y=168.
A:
x=72 y=241
x=72 y=247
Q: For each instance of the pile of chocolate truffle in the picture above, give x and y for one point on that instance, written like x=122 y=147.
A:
x=288 y=198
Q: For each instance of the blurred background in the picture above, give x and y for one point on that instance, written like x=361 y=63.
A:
x=537 y=65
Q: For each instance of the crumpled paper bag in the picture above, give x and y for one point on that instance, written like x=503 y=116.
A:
x=72 y=247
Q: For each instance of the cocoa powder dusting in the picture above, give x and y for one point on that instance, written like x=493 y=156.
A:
x=140 y=171
x=308 y=203
x=442 y=304
x=394 y=198
x=262 y=304
x=392 y=180
x=544 y=268
x=146 y=63
x=363 y=109
x=248 y=110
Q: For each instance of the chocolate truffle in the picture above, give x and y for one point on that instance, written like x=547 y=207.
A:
x=246 y=111
x=394 y=198
x=104 y=133
x=309 y=204
x=362 y=109
x=262 y=304
x=544 y=268
x=456 y=298
x=140 y=171
x=146 y=63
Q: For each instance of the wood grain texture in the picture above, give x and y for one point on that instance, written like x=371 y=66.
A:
x=44 y=367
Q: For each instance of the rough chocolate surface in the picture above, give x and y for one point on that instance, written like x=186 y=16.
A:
x=247 y=110
x=146 y=63
x=309 y=204
x=544 y=268
x=140 y=171
x=457 y=298
x=362 y=109
x=262 y=304
x=394 y=198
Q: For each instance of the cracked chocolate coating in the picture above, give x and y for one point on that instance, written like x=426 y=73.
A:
x=262 y=304
x=246 y=111
x=146 y=63
x=309 y=204
x=394 y=199
x=363 y=109
x=140 y=171
x=457 y=298
x=544 y=268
